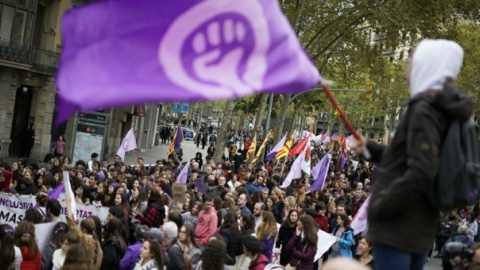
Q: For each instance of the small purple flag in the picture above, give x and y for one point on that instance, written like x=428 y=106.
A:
x=183 y=175
x=359 y=222
x=54 y=193
x=320 y=172
x=200 y=185
x=179 y=138
x=181 y=50
x=277 y=148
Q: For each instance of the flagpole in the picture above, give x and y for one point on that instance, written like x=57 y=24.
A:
x=344 y=118
x=138 y=158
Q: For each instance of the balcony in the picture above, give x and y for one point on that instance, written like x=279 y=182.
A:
x=42 y=60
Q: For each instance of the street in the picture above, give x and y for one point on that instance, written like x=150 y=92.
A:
x=160 y=152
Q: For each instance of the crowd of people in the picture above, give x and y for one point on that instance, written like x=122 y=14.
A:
x=243 y=221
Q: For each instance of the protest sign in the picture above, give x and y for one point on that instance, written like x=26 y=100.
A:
x=178 y=192
x=12 y=209
x=200 y=185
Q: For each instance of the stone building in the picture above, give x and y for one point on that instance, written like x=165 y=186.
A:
x=29 y=57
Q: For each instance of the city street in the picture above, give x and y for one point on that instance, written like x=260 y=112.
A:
x=160 y=152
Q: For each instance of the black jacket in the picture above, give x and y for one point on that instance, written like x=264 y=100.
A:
x=112 y=255
x=233 y=243
x=401 y=213
x=284 y=235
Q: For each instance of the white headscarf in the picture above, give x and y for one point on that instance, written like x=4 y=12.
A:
x=433 y=62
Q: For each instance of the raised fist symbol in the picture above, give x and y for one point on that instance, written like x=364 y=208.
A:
x=219 y=51
x=213 y=49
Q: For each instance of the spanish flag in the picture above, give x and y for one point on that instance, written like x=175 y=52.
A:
x=260 y=150
x=285 y=149
x=251 y=149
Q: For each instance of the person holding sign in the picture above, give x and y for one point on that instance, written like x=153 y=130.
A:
x=86 y=234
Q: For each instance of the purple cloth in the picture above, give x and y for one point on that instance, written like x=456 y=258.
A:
x=131 y=256
x=54 y=193
x=178 y=138
x=277 y=148
x=200 y=185
x=179 y=50
x=319 y=172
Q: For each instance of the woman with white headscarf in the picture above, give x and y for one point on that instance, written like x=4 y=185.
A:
x=401 y=215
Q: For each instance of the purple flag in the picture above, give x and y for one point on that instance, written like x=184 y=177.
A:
x=179 y=138
x=179 y=50
x=54 y=193
x=200 y=185
x=183 y=175
x=320 y=172
x=277 y=148
x=359 y=222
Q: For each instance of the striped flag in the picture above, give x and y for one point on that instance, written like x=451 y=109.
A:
x=285 y=149
x=177 y=140
x=277 y=148
x=260 y=150
x=252 y=147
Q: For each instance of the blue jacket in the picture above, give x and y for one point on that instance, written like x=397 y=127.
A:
x=346 y=241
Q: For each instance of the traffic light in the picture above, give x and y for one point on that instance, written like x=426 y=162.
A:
x=368 y=94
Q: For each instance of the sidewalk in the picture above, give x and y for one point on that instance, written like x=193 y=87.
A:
x=160 y=152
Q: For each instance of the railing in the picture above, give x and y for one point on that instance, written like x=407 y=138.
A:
x=27 y=54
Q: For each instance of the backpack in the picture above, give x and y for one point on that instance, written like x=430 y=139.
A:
x=458 y=179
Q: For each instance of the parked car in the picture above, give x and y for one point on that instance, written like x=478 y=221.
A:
x=188 y=134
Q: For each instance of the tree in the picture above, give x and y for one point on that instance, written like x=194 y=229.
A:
x=222 y=133
x=468 y=36
x=338 y=33
x=261 y=110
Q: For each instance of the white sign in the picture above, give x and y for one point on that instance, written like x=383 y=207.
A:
x=12 y=209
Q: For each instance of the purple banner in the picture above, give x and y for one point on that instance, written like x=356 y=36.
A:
x=179 y=50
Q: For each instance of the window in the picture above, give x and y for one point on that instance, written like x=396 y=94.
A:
x=16 y=20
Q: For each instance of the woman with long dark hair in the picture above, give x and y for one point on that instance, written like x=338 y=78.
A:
x=117 y=211
x=287 y=230
x=186 y=241
x=303 y=249
x=139 y=203
x=344 y=235
x=10 y=255
x=114 y=245
x=155 y=212
x=231 y=235
x=151 y=256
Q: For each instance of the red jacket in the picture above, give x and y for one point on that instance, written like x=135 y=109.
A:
x=5 y=185
x=322 y=222
x=259 y=263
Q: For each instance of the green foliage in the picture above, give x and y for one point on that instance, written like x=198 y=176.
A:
x=468 y=36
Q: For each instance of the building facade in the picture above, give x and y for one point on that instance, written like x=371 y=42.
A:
x=29 y=57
